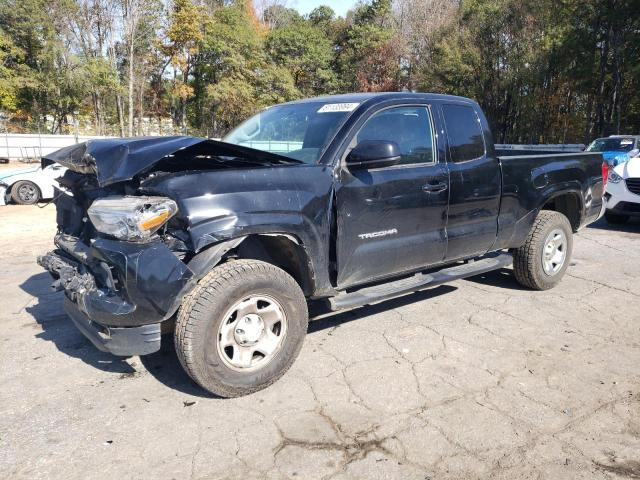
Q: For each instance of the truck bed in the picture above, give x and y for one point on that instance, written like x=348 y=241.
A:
x=531 y=182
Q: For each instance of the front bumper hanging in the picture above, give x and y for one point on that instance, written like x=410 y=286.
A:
x=122 y=341
x=118 y=293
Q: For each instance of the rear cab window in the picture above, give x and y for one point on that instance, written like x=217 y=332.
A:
x=464 y=132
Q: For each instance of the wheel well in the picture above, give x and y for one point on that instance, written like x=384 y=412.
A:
x=280 y=250
x=569 y=205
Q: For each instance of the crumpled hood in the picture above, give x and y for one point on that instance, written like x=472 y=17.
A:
x=121 y=159
x=118 y=159
x=16 y=171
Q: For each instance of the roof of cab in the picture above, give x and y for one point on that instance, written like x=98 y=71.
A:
x=381 y=96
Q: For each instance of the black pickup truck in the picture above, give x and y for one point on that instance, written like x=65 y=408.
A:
x=339 y=201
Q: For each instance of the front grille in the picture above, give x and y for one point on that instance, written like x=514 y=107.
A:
x=633 y=184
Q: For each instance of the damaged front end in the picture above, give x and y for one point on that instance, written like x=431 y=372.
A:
x=118 y=294
x=120 y=277
x=140 y=221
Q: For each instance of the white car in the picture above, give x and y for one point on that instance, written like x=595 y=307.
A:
x=27 y=186
x=622 y=194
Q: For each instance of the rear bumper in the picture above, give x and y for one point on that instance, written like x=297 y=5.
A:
x=122 y=341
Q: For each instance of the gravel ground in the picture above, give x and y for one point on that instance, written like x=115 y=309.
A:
x=476 y=379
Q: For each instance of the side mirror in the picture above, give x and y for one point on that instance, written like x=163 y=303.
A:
x=373 y=154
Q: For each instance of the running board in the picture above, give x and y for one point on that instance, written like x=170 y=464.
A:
x=419 y=281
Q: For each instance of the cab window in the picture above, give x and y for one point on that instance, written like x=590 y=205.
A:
x=464 y=132
x=409 y=127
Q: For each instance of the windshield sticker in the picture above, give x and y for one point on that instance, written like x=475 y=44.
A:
x=338 y=107
x=626 y=142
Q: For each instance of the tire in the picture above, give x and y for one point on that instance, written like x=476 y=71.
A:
x=25 y=192
x=208 y=311
x=529 y=264
x=616 y=219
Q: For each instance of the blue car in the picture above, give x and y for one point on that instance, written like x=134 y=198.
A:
x=616 y=149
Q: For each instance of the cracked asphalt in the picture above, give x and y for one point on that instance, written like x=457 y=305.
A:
x=476 y=379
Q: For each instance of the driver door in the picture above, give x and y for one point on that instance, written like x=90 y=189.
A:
x=393 y=219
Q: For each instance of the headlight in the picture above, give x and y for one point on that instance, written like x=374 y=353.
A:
x=614 y=177
x=131 y=218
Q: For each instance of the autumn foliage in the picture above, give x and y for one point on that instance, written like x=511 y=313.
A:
x=544 y=71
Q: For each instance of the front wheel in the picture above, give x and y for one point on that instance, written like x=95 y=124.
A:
x=542 y=261
x=25 y=192
x=241 y=328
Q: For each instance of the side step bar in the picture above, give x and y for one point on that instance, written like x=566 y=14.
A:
x=419 y=281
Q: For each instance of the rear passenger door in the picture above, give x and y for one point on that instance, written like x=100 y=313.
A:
x=475 y=182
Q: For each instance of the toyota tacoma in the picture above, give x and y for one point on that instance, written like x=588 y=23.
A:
x=337 y=202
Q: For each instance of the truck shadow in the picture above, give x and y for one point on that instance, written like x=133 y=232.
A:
x=58 y=328
x=321 y=319
x=632 y=226
x=165 y=366
x=501 y=278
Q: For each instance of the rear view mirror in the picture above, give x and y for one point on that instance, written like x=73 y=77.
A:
x=373 y=154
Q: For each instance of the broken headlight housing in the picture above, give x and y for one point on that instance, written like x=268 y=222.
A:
x=131 y=218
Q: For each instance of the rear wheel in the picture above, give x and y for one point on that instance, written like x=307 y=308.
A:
x=241 y=328
x=616 y=219
x=25 y=192
x=542 y=261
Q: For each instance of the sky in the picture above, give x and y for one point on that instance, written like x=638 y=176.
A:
x=305 y=6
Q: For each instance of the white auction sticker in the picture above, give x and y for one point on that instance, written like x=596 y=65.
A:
x=338 y=107
x=626 y=141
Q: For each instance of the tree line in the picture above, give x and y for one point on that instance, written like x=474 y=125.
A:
x=545 y=71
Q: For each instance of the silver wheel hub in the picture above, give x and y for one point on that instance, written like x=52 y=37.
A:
x=27 y=192
x=554 y=252
x=249 y=329
x=252 y=333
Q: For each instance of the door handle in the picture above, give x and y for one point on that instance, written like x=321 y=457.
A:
x=435 y=187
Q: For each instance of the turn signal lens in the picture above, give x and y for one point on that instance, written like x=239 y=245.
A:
x=155 y=221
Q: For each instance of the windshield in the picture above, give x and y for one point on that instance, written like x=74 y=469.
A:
x=611 y=145
x=300 y=131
